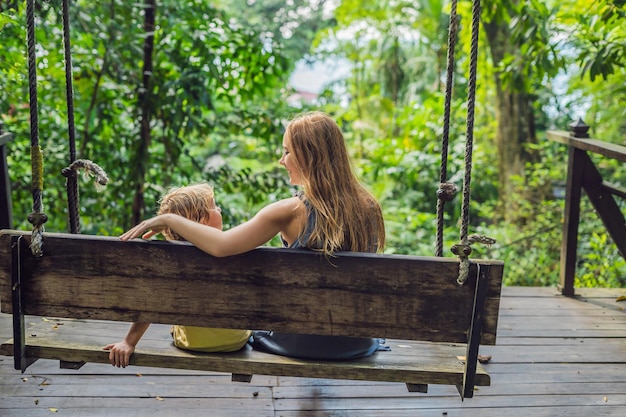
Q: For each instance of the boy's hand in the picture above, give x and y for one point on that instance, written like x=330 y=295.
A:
x=119 y=354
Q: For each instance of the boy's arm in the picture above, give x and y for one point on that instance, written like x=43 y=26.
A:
x=120 y=352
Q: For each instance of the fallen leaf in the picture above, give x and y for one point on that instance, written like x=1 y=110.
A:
x=54 y=410
x=24 y=379
x=44 y=382
x=621 y=298
x=44 y=319
x=159 y=398
x=55 y=327
x=138 y=375
x=484 y=358
x=605 y=399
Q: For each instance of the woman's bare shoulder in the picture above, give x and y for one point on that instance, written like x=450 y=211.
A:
x=287 y=207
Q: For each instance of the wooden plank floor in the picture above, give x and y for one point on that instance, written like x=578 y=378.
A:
x=555 y=356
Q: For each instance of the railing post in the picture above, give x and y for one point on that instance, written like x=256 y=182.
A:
x=6 y=210
x=571 y=219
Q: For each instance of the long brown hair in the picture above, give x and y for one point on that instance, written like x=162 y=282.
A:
x=348 y=217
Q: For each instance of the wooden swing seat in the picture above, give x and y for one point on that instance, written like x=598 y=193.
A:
x=84 y=284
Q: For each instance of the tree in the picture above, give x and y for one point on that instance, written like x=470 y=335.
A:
x=529 y=48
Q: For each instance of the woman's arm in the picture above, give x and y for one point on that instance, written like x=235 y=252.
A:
x=287 y=216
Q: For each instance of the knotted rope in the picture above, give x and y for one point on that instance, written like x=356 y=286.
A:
x=463 y=249
x=90 y=167
x=446 y=190
x=37 y=218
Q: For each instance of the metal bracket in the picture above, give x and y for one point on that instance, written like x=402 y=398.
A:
x=20 y=361
x=475 y=331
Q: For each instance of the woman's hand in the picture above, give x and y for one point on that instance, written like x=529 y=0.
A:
x=151 y=227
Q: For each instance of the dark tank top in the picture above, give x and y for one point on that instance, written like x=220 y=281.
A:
x=305 y=346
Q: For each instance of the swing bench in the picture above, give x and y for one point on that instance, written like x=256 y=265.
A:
x=405 y=299
x=434 y=312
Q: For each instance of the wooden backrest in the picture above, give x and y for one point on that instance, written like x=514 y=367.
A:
x=352 y=294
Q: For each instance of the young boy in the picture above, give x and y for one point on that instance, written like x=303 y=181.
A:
x=197 y=203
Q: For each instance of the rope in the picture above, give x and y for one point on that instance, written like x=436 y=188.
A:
x=446 y=190
x=71 y=183
x=463 y=250
x=37 y=218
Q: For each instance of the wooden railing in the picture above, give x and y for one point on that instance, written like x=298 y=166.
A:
x=582 y=174
x=6 y=211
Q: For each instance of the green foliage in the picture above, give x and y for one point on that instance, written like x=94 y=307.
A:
x=532 y=26
x=215 y=87
x=599 y=263
x=600 y=36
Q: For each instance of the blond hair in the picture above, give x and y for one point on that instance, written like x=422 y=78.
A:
x=348 y=217
x=194 y=202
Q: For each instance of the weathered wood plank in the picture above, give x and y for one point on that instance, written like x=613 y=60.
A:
x=552 y=292
x=145 y=407
x=395 y=296
x=409 y=362
x=571 y=322
x=391 y=390
x=559 y=341
x=561 y=303
x=57 y=387
x=393 y=404
x=573 y=333
x=602 y=354
x=557 y=373
x=544 y=411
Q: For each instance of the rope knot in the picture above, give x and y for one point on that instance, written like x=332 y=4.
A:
x=461 y=250
x=68 y=172
x=37 y=219
x=464 y=250
x=446 y=191
x=90 y=168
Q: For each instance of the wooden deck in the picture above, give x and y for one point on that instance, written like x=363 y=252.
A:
x=555 y=356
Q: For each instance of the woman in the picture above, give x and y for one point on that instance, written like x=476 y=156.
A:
x=333 y=212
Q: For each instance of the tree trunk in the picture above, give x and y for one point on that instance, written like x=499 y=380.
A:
x=515 y=121
x=145 y=104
